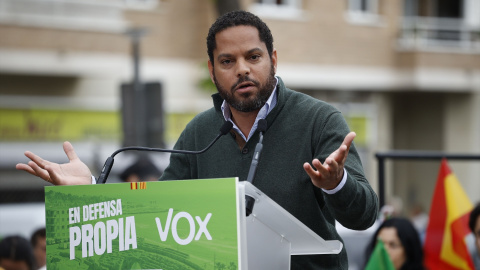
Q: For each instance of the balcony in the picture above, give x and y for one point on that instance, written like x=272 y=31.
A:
x=87 y=15
x=435 y=34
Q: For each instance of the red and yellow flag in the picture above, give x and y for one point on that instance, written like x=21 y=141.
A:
x=133 y=185
x=138 y=185
x=445 y=246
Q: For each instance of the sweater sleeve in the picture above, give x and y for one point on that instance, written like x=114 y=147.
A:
x=355 y=206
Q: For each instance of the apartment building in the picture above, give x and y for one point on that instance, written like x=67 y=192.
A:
x=406 y=75
x=62 y=64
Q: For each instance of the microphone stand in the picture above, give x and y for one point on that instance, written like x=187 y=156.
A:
x=250 y=201
x=107 y=167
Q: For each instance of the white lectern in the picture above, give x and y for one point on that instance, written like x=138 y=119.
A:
x=270 y=235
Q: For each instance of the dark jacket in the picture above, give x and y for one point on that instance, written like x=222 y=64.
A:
x=299 y=129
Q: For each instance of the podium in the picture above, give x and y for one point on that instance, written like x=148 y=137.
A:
x=272 y=235
x=187 y=224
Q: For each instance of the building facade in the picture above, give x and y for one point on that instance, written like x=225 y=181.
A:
x=406 y=75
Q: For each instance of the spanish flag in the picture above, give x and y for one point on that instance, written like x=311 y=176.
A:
x=445 y=246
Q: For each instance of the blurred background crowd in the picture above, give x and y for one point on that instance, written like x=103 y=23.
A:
x=20 y=253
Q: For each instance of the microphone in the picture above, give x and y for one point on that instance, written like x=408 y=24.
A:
x=250 y=201
x=102 y=178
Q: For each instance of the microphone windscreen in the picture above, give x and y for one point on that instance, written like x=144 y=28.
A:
x=226 y=127
x=262 y=125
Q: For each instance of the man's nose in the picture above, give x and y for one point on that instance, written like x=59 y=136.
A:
x=243 y=69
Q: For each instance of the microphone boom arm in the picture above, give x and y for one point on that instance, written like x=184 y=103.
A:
x=141 y=148
x=107 y=167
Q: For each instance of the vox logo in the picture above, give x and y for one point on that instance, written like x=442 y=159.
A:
x=197 y=227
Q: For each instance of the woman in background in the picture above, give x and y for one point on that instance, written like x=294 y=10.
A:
x=402 y=242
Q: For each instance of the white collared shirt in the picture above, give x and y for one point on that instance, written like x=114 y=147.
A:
x=262 y=114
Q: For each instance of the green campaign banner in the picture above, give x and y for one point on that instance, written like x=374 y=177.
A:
x=188 y=224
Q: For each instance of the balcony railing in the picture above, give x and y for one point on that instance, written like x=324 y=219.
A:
x=87 y=15
x=444 y=34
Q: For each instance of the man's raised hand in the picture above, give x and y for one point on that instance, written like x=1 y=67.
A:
x=75 y=172
x=329 y=174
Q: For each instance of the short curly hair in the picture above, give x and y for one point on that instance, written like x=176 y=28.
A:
x=236 y=18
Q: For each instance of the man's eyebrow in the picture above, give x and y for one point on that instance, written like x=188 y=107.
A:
x=254 y=50
x=224 y=55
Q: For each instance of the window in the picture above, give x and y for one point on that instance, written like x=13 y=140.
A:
x=363 y=11
x=85 y=15
x=141 y=4
x=277 y=2
x=363 y=6
x=280 y=9
x=440 y=25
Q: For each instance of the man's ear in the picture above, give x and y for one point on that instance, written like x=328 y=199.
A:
x=210 y=69
x=274 y=60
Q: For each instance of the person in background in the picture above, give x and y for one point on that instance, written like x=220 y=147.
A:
x=419 y=219
x=39 y=245
x=16 y=253
x=474 y=225
x=141 y=170
x=402 y=242
x=393 y=208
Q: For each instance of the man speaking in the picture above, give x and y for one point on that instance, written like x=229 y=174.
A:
x=309 y=164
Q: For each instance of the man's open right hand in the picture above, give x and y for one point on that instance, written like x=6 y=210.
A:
x=75 y=172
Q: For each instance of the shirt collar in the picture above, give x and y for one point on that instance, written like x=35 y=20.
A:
x=262 y=114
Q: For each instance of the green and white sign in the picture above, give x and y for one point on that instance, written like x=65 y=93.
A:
x=189 y=224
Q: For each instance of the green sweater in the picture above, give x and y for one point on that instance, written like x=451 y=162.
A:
x=299 y=129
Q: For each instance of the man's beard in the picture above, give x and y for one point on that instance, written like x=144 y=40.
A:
x=249 y=104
